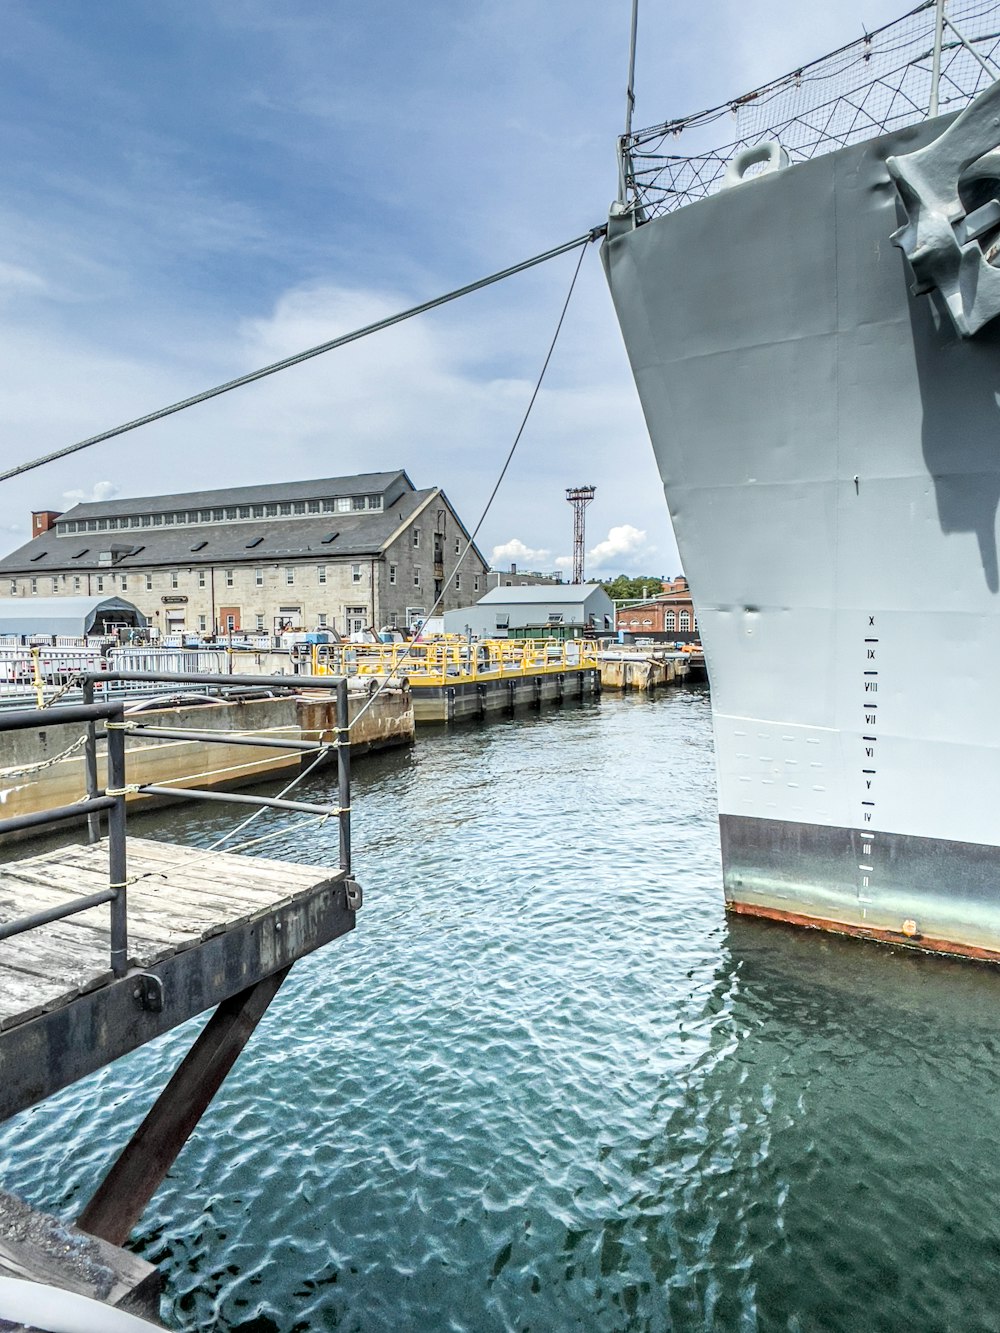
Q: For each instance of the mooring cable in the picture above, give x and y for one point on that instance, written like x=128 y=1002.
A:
x=298 y=357
x=583 y=243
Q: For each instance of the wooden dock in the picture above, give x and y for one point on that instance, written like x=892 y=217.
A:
x=202 y=928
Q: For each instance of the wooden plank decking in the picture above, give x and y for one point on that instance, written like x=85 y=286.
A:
x=206 y=924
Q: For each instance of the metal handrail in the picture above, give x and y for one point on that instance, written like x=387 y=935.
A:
x=438 y=662
x=112 y=797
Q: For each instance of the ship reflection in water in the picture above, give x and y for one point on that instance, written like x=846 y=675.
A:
x=547 y=1085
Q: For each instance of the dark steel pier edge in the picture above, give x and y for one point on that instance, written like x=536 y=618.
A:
x=923 y=893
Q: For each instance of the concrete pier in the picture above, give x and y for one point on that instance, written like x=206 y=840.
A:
x=643 y=668
x=33 y=776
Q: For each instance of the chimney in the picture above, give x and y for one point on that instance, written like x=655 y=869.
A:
x=43 y=520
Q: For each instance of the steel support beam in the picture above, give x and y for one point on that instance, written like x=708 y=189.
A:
x=122 y=1196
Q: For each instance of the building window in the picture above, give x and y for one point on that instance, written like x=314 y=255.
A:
x=100 y=583
x=416 y=577
x=289 y=574
x=355 y=573
x=392 y=574
x=203 y=622
x=321 y=620
x=355 y=619
x=357 y=502
x=321 y=573
x=260 y=621
x=314 y=506
x=201 y=578
x=475 y=583
x=669 y=622
x=343 y=504
x=76 y=584
x=685 y=621
x=149 y=583
x=244 y=511
x=122 y=579
x=13 y=587
x=374 y=502
x=230 y=513
x=416 y=537
x=55 y=585
x=458 y=582
x=173 y=579
x=229 y=578
x=300 y=506
x=286 y=509
x=258 y=577
x=393 y=620
x=458 y=546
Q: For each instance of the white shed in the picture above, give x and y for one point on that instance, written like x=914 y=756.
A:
x=562 y=608
x=71 y=616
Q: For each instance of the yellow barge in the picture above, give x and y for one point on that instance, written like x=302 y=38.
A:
x=452 y=680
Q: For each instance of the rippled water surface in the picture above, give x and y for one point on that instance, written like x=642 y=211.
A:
x=546 y=1085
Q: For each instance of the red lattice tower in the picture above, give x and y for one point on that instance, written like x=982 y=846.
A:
x=579 y=497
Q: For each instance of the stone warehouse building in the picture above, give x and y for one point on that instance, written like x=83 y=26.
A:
x=343 y=553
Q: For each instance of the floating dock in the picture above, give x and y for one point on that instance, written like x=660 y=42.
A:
x=453 y=680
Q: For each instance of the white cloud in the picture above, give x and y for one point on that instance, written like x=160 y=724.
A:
x=624 y=549
x=101 y=490
x=515 y=552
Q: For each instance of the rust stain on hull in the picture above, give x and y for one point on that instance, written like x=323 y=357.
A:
x=921 y=943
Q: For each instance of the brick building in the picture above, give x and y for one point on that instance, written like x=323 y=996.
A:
x=670 y=615
x=342 y=553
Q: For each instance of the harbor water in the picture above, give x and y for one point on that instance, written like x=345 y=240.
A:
x=546 y=1085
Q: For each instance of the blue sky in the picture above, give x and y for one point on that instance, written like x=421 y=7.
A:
x=190 y=190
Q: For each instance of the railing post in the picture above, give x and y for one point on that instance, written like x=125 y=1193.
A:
x=116 y=843
x=344 y=774
x=36 y=676
x=90 y=767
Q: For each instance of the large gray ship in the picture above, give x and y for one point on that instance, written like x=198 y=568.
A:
x=810 y=319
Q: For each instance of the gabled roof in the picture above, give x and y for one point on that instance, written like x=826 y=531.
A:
x=364 y=483
x=550 y=595
x=364 y=534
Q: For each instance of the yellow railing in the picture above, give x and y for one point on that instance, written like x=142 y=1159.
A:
x=449 y=661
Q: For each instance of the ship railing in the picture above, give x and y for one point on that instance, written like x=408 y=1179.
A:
x=881 y=82
x=106 y=723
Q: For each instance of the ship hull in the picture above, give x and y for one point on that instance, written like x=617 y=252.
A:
x=830 y=452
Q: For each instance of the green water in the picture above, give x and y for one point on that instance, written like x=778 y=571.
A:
x=547 y=1085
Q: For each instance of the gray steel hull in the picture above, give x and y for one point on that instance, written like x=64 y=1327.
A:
x=830 y=452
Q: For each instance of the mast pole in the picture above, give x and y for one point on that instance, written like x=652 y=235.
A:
x=932 y=109
x=629 y=105
x=630 y=91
